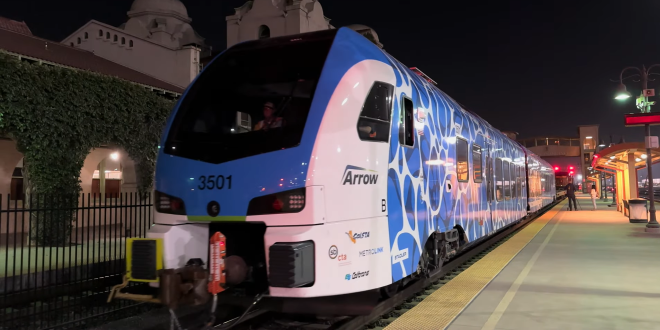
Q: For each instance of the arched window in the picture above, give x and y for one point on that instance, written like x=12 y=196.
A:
x=123 y=40
x=72 y=44
x=130 y=43
x=264 y=32
x=116 y=38
x=100 y=33
x=86 y=35
x=107 y=35
x=78 y=41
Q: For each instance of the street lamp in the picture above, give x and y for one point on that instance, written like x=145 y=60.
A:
x=644 y=106
x=622 y=93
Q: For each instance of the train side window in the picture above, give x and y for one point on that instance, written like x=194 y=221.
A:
x=477 y=164
x=489 y=178
x=518 y=182
x=522 y=180
x=462 y=170
x=499 y=188
x=406 y=128
x=374 y=122
x=507 y=181
x=514 y=181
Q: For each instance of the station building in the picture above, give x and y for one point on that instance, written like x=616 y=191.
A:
x=570 y=154
x=157 y=40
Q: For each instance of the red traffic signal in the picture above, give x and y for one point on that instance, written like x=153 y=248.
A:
x=570 y=173
x=556 y=168
x=570 y=168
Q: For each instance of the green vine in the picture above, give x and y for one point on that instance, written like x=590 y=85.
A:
x=58 y=115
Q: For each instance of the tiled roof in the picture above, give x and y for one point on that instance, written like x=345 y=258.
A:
x=54 y=52
x=15 y=26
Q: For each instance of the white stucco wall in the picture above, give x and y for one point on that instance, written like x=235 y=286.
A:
x=299 y=17
x=175 y=66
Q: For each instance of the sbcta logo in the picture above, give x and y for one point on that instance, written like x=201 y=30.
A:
x=333 y=252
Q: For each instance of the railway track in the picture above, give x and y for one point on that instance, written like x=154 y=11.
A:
x=387 y=310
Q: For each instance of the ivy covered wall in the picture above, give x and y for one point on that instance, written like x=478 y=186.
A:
x=58 y=115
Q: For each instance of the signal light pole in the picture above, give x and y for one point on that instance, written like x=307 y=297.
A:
x=645 y=106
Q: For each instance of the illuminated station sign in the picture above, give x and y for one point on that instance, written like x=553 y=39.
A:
x=641 y=119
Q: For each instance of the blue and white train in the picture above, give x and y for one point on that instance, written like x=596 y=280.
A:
x=370 y=174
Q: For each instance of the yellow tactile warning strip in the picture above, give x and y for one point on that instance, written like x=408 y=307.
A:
x=439 y=309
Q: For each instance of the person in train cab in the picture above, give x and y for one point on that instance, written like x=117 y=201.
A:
x=570 y=193
x=594 y=195
x=269 y=120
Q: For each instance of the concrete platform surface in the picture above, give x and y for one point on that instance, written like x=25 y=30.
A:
x=584 y=270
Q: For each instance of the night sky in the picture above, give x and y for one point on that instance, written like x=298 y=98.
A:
x=535 y=67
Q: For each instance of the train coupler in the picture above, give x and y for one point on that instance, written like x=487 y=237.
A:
x=183 y=286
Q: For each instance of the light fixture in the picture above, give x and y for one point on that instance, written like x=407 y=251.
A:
x=602 y=143
x=588 y=137
x=644 y=156
x=114 y=156
x=638 y=160
x=622 y=93
x=612 y=157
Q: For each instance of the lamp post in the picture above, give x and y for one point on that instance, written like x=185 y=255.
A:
x=603 y=195
x=644 y=106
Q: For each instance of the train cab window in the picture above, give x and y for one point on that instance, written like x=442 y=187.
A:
x=477 y=164
x=462 y=171
x=374 y=121
x=507 y=180
x=406 y=127
x=253 y=99
x=499 y=183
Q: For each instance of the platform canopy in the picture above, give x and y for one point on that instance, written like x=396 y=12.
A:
x=620 y=156
x=623 y=160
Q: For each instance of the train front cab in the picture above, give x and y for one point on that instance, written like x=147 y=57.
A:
x=302 y=205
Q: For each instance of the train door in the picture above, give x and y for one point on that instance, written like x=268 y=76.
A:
x=490 y=189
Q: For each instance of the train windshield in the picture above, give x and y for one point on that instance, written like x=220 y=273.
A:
x=253 y=99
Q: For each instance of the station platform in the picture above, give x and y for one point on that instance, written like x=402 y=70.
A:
x=566 y=270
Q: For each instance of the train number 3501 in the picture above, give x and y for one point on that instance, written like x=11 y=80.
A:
x=211 y=182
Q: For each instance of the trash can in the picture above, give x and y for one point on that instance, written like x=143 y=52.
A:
x=638 y=210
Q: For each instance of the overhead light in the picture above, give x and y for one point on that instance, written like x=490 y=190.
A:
x=589 y=137
x=622 y=93
x=612 y=157
x=114 y=156
x=644 y=156
x=638 y=160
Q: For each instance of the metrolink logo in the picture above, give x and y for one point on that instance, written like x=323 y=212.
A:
x=354 y=175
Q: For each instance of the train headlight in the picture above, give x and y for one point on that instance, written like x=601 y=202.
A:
x=291 y=201
x=169 y=204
